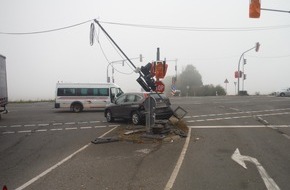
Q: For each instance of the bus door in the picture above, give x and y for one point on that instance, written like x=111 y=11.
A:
x=114 y=93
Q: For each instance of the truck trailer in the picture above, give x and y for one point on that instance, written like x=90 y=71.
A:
x=3 y=86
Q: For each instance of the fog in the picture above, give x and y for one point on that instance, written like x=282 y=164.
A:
x=215 y=36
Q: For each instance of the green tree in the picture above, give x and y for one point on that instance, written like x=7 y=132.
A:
x=190 y=78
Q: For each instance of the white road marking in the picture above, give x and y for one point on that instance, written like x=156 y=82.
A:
x=59 y=163
x=240 y=159
x=94 y=121
x=100 y=126
x=113 y=125
x=237 y=126
x=71 y=128
x=174 y=174
x=244 y=112
x=3 y=126
x=41 y=130
x=27 y=131
x=287 y=136
x=59 y=129
x=43 y=124
x=30 y=125
x=85 y=127
x=70 y=123
x=8 y=132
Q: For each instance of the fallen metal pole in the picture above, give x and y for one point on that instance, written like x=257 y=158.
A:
x=96 y=21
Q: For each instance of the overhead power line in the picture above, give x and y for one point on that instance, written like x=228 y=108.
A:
x=160 y=27
x=207 y=29
x=46 y=31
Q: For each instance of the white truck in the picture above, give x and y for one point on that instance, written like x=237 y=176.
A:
x=3 y=86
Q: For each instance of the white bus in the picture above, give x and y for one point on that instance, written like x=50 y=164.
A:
x=79 y=96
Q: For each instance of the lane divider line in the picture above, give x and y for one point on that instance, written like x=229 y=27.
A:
x=175 y=172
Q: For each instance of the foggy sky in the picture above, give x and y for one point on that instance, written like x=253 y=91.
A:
x=35 y=63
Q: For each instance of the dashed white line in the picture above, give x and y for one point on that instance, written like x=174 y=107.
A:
x=58 y=164
x=59 y=129
x=8 y=132
x=27 y=131
x=41 y=130
x=102 y=126
x=83 y=122
x=30 y=125
x=71 y=128
x=3 y=126
x=70 y=123
x=210 y=119
x=237 y=126
x=85 y=127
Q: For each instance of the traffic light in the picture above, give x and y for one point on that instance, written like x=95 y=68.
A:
x=145 y=79
x=245 y=61
x=255 y=9
x=237 y=75
x=160 y=69
x=245 y=76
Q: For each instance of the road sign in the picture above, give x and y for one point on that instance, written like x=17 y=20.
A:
x=226 y=81
x=160 y=87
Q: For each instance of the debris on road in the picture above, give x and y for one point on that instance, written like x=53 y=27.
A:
x=105 y=140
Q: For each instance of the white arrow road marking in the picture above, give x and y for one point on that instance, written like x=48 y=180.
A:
x=240 y=159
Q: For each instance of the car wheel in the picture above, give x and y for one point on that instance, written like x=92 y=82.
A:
x=109 y=116
x=77 y=107
x=135 y=118
x=282 y=94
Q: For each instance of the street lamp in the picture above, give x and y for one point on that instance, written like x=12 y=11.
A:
x=119 y=62
x=256 y=47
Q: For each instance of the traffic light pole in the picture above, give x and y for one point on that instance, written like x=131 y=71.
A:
x=96 y=21
x=239 y=67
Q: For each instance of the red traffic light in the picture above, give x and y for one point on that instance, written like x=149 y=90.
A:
x=255 y=9
x=160 y=87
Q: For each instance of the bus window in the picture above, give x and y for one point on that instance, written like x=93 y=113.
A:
x=66 y=92
x=84 y=92
x=103 y=92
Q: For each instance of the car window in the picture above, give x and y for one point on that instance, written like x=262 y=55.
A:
x=138 y=98
x=121 y=99
x=130 y=98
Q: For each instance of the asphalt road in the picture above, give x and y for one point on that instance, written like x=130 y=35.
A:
x=44 y=148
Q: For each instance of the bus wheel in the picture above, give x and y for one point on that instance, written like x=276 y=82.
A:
x=109 y=116
x=77 y=107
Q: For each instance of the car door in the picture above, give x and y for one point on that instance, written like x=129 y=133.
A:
x=128 y=105
x=118 y=106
